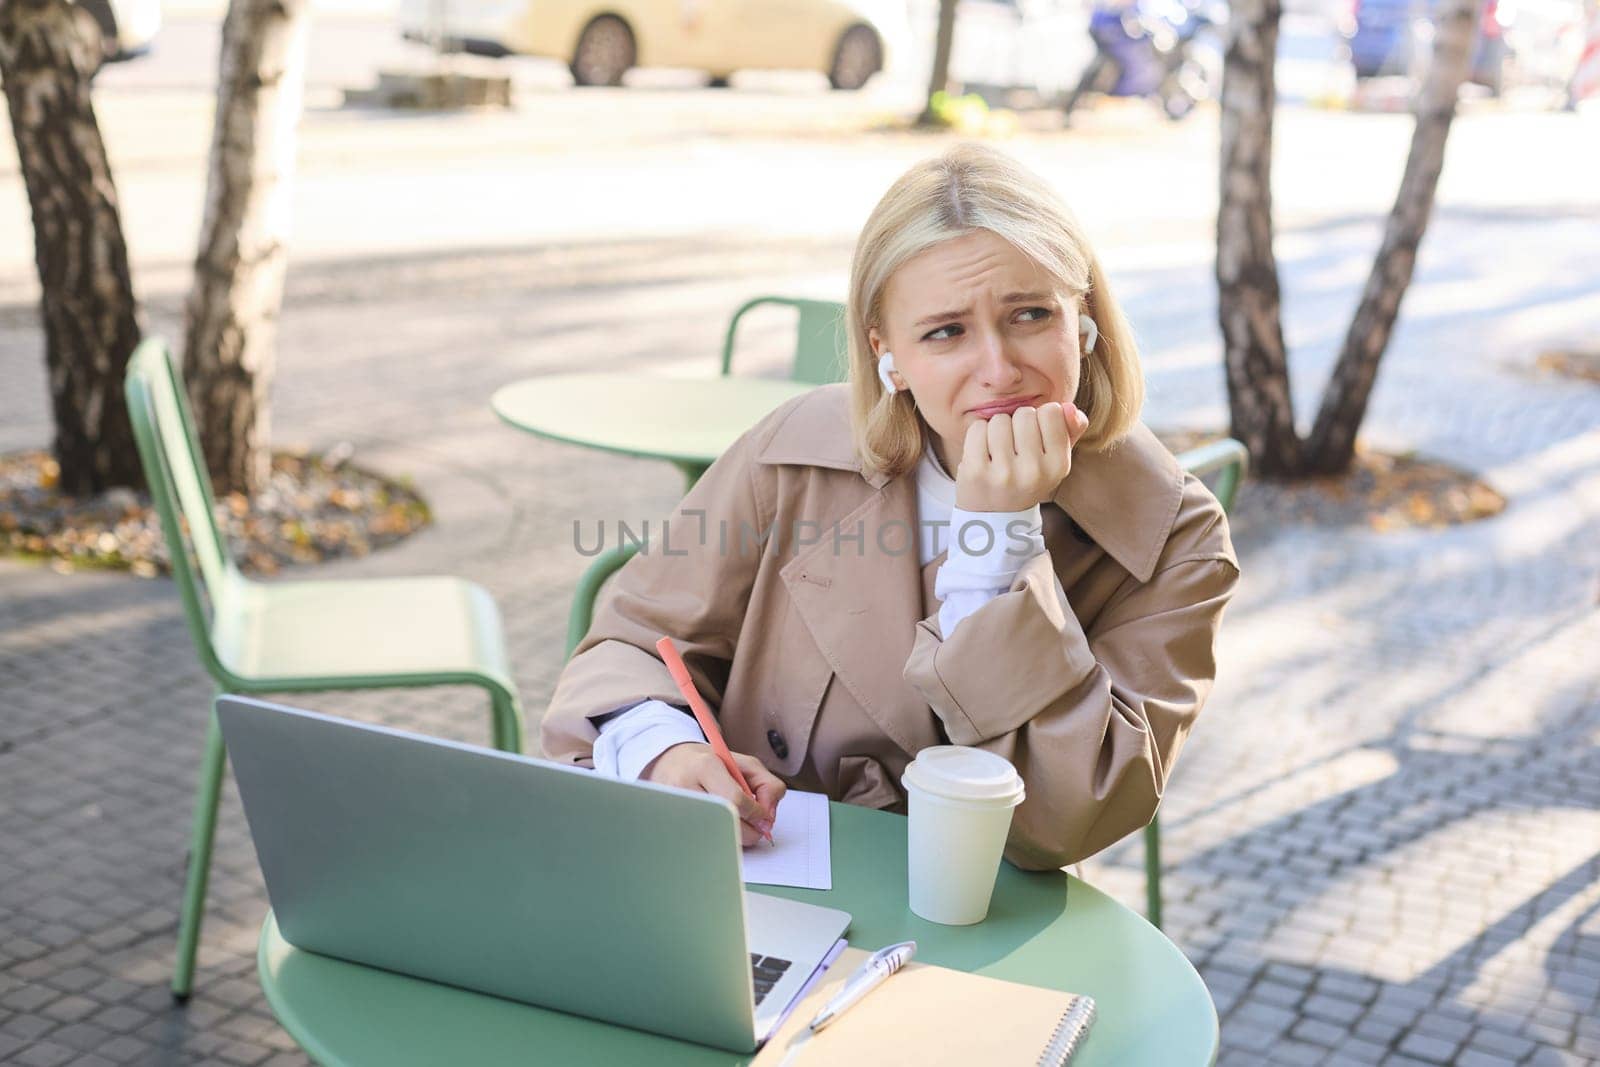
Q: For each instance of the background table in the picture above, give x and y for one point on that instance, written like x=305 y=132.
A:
x=1043 y=928
x=688 y=422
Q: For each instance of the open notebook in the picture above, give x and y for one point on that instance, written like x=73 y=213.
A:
x=800 y=854
x=926 y=1016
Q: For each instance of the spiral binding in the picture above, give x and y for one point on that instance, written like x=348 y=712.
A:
x=1074 y=1024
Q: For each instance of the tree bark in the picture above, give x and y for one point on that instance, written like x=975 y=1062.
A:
x=1259 y=400
x=939 y=78
x=1331 y=445
x=91 y=321
x=231 y=317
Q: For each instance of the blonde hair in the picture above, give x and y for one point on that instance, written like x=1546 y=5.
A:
x=972 y=187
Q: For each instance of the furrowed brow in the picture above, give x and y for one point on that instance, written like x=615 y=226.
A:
x=1009 y=298
x=943 y=316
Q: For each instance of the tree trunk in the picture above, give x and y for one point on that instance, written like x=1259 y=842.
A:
x=939 y=79
x=1259 y=400
x=231 y=318
x=91 y=322
x=1331 y=446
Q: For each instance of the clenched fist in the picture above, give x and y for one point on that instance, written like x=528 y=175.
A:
x=1012 y=462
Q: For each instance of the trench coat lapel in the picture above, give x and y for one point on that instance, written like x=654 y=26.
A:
x=1126 y=499
x=861 y=602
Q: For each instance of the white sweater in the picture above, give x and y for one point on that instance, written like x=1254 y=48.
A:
x=987 y=551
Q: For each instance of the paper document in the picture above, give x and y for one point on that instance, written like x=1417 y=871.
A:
x=801 y=854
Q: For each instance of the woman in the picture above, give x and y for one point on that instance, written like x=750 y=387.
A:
x=973 y=542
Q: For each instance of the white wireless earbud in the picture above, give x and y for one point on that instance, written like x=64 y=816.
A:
x=1088 y=332
x=885 y=366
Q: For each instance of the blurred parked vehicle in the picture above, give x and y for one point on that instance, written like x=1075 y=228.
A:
x=1545 y=40
x=122 y=28
x=1519 y=41
x=601 y=40
x=1008 y=49
x=1167 y=51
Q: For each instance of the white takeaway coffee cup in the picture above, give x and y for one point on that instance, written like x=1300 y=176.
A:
x=960 y=804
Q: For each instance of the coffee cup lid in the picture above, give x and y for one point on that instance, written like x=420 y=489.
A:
x=962 y=773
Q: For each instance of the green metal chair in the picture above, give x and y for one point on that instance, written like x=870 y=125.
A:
x=819 y=340
x=1227 y=459
x=818 y=360
x=294 y=636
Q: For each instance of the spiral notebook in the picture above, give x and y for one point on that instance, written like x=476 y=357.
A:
x=926 y=1016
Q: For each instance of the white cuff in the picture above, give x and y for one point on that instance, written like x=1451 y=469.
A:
x=993 y=544
x=630 y=742
x=987 y=551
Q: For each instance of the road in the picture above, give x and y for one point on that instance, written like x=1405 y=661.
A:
x=776 y=155
x=349 y=44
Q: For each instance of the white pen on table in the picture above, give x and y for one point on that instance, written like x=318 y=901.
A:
x=877 y=967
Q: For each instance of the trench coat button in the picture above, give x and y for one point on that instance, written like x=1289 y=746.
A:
x=780 y=747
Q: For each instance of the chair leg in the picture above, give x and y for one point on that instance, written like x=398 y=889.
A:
x=1152 y=872
x=507 y=712
x=212 y=765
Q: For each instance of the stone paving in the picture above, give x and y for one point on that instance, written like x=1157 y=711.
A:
x=1383 y=838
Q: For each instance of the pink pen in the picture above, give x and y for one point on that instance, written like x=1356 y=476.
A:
x=702 y=714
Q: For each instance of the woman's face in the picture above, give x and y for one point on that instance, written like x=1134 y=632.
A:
x=976 y=330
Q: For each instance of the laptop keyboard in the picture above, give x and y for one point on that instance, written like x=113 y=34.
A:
x=768 y=970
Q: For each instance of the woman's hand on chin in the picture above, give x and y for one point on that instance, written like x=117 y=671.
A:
x=1012 y=462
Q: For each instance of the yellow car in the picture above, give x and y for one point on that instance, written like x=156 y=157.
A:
x=600 y=40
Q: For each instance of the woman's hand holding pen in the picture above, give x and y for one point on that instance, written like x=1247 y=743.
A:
x=1012 y=462
x=695 y=766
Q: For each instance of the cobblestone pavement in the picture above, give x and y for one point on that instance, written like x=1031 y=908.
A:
x=1384 y=837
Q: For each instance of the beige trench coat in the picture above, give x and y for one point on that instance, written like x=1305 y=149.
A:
x=821 y=651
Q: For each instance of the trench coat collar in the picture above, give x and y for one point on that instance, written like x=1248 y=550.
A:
x=1125 y=497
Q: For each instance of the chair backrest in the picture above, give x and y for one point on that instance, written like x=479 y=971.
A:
x=819 y=345
x=180 y=488
x=1227 y=458
x=581 y=613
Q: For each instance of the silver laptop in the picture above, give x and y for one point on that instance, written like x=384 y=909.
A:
x=519 y=877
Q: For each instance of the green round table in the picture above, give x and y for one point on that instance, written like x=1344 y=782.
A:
x=1046 y=929
x=688 y=422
